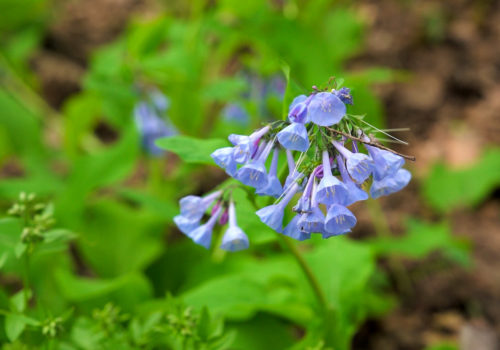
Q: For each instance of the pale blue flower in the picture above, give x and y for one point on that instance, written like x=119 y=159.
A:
x=390 y=184
x=359 y=165
x=345 y=95
x=186 y=224
x=354 y=192
x=273 y=187
x=247 y=145
x=234 y=238
x=224 y=157
x=293 y=174
x=235 y=112
x=326 y=109
x=254 y=173
x=203 y=234
x=272 y=215
x=193 y=207
x=312 y=221
x=386 y=163
x=330 y=189
x=292 y=230
x=294 y=137
x=339 y=220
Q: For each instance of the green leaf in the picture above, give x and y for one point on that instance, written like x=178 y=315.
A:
x=422 y=239
x=190 y=149
x=15 y=325
x=446 y=189
x=292 y=90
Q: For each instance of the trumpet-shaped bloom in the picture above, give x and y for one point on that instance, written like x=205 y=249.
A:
x=330 y=190
x=234 y=238
x=326 y=109
x=273 y=187
x=193 y=207
x=304 y=203
x=386 y=163
x=339 y=220
x=292 y=230
x=293 y=174
x=186 y=224
x=272 y=215
x=359 y=165
x=354 y=193
x=254 y=173
x=203 y=234
x=246 y=145
x=294 y=137
x=224 y=158
x=390 y=184
x=312 y=221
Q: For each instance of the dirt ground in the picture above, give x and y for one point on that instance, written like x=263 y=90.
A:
x=451 y=102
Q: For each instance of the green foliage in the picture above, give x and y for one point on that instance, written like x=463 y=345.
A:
x=90 y=259
x=446 y=189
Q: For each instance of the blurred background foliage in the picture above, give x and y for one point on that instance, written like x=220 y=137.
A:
x=113 y=272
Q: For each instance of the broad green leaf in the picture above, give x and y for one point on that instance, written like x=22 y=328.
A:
x=422 y=239
x=446 y=189
x=190 y=149
x=15 y=325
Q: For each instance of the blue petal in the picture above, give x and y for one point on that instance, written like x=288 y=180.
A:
x=386 y=163
x=354 y=194
x=273 y=188
x=390 y=184
x=253 y=174
x=186 y=225
x=330 y=190
x=272 y=216
x=359 y=166
x=223 y=157
x=312 y=222
x=326 y=109
x=292 y=230
x=234 y=239
x=339 y=220
x=202 y=235
x=294 y=137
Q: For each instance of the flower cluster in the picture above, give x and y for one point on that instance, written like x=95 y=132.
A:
x=327 y=171
x=223 y=212
x=148 y=119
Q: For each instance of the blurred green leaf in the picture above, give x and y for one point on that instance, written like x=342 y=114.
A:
x=446 y=189
x=190 y=149
x=422 y=239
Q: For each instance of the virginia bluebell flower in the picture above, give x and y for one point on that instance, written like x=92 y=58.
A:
x=297 y=113
x=326 y=109
x=293 y=174
x=234 y=239
x=292 y=230
x=224 y=157
x=304 y=203
x=339 y=220
x=202 y=235
x=331 y=190
x=254 y=173
x=272 y=215
x=386 y=163
x=390 y=184
x=151 y=127
x=194 y=206
x=294 y=137
x=312 y=221
x=160 y=101
x=359 y=165
x=186 y=224
x=247 y=145
x=354 y=192
x=273 y=187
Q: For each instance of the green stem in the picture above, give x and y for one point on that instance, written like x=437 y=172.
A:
x=383 y=230
x=313 y=281
x=27 y=284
